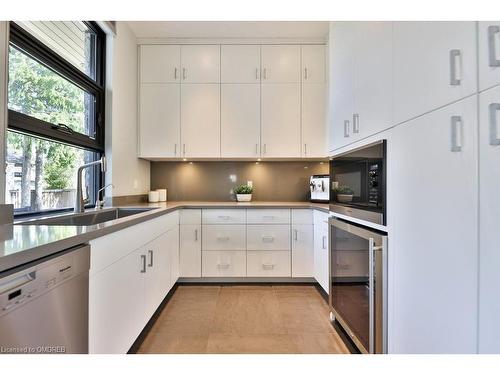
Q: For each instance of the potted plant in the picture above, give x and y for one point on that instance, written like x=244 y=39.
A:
x=243 y=193
x=344 y=194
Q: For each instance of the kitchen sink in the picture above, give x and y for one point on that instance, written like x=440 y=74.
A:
x=89 y=218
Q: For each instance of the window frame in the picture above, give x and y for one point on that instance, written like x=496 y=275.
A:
x=21 y=39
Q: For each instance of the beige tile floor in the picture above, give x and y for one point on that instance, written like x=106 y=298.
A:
x=244 y=319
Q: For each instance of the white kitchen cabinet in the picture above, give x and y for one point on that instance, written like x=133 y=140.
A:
x=489 y=54
x=268 y=263
x=190 y=250
x=224 y=216
x=268 y=216
x=268 y=237
x=302 y=250
x=372 y=79
x=240 y=120
x=173 y=247
x=314 y=120
x=280 y=120
x=489 y=214
x=159 y=63
x=313 y=64
x=157 y=278
x=200 y=120
x=434 y=65
x=342 y=39
x=224 y=263
x=200 y=63
x=240 y=64
x=116 y=305
x=321 y=250
x=159 y=120
x=224 y=237
x=280 y=64
x=434 y=234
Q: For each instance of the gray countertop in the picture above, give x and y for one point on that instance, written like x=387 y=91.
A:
x=20 y=244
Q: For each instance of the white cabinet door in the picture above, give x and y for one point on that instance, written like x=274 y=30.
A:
x=321 y=257
x=302 y=250
x=434 y=204
x=116 y=305
x=314 y=120
x=159 y=64
x=240 y=64
x=313 y=64
x=372 y=78
x=489 y=54
x=200 y=120
x=240 y=120
x=489 y=211
x=173 y=241
x=280 y=121
x=434 y=65
x=159 y=120
x=157 y=276
x=190 y=250
x=280 y=63
x=200 y=63
x=341 y=83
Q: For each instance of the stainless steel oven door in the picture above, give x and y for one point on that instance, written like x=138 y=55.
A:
x=357 y=298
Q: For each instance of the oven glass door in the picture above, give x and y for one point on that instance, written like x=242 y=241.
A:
x=356 y=297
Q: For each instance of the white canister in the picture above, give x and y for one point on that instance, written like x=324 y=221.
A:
x=163 y=194
x=153 y=196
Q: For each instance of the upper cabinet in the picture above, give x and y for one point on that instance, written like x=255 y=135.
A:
x=313 y=64
x=200 y=64
x=280 y=63
x=313 y=120
x=434 y=65
x=240 y=64
x=360 y=80
x=160 y=64
x=489 y=54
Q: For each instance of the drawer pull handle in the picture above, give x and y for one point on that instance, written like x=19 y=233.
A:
x=221 y=238
x=268 y=266
x=268 y=217
x=224 y=217
x=223 y=266
x=267 y=238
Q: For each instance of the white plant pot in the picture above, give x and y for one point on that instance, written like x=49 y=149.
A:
x=344 y=198
x=243 y=197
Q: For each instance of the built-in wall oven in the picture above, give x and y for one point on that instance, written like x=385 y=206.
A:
x=357 y=298
x=357 y=181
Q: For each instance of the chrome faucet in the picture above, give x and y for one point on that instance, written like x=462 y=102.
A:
x=100 y=202
x=80 y=202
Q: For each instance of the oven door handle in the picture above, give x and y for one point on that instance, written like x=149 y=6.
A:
x=374 y=268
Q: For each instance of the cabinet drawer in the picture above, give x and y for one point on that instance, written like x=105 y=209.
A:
x=190 y=216
x=268 y=237
x=268 y=216
x=224 y=216
x=223 y=237
x=302 y=216
x=268 y=263
x=224 y=263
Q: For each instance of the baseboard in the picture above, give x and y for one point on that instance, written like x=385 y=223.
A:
x=246 y=280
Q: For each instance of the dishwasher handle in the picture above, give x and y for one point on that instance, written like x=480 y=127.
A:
x=17 y=282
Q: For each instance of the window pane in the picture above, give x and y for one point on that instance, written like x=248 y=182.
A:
x=37 y=91
x=72 y=40
x=41 y=175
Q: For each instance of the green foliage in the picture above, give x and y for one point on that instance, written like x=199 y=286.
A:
x=343 y=190
x=243 y=189
x=59 y=167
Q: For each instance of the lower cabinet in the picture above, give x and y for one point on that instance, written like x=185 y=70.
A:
x=190 y=250
x=302 y=250
x=266 y=263
x=224 y=263
x=321 y=250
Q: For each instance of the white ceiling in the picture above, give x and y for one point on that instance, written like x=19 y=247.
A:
x=229 y=29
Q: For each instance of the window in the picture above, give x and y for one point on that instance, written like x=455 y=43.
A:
x=56 y=111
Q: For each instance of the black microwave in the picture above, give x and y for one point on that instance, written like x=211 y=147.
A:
x=357 y=183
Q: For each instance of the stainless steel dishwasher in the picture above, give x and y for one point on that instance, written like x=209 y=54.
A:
x=44 y=305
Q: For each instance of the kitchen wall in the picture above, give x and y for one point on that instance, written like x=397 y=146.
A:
x=213 y=181
x=4 y=44
x=129 y=174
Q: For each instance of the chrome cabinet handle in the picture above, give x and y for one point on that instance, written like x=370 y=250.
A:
x=265 y=148
x=296 y=235
x=346 y=128
x=371 y=296
x=305 y=73
x=175 y=73
x=224 y=239
x=270 y=217
x=196 y=234
x=265 y=73
x=184 y=75
x=305 y=149
x=494 y=45
x=256 y=149
x=268 y=266
x=224 y=217
x=184 y=149
x=256 y=73
x=150 y=252
x=224 y=266
x=355 y=123
x=455 y=67
x=267 y=239
x=143 y=258
x=323 y=245
x=175 y=149
x=494 y=136
x=456 y=133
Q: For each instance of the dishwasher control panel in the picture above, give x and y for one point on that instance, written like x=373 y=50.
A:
x=19 y=288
